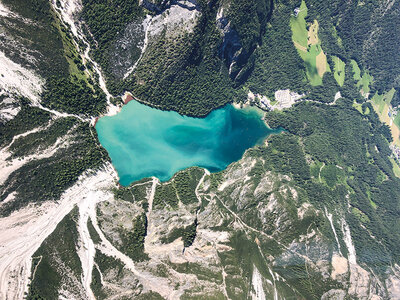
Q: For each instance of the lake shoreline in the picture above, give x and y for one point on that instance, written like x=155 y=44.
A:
x=143 y=141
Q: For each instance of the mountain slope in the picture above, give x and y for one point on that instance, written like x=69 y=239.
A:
x=310 y=214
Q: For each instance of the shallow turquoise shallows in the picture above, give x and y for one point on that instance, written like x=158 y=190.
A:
x=144 y=142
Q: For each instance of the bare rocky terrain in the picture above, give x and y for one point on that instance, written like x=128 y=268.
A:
x=273 y=225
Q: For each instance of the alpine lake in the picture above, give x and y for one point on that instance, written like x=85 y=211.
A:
x=144 y=141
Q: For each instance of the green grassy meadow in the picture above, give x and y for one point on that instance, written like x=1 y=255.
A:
x=309 y=49
x=363 y=81
x=339 y=73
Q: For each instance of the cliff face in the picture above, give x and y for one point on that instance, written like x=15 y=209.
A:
x=236 y=43
x=242 y=24
x=174 y=43
x=158 y=6
x=231 y=48
x=154 y=5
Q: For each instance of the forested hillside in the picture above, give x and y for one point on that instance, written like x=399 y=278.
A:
x=226 y=47
x=68 y=87
x=311 y=212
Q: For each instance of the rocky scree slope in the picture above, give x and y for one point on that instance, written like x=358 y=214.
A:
x=244 y=232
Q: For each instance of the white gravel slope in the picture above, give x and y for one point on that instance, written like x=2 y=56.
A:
x=24 y=231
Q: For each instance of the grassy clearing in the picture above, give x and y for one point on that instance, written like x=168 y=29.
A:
x=395 y=134
x=356 y=70
x=339 y=70
x=315 y=169
x=322 y=64
x=373 y=204
x=332 y=175
x=358 y=106
x=397 y=120
x=312 y=34
x=308 y=46
x=389 y=96
x=382 y=102
x=360 y=215
x=362 y=81
x=396 y=167
x=366 y=80
x=300 y=47
x=299 y=26
x=310 y=58
x=381 y=105
x=76 y=67
x=339 y=40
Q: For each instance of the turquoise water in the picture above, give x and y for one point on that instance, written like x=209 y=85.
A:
x=143 y=141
